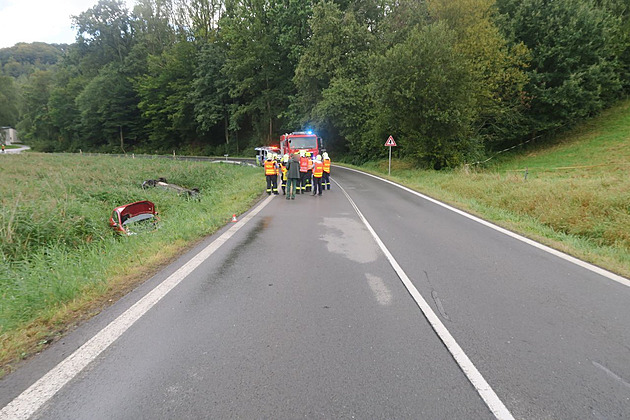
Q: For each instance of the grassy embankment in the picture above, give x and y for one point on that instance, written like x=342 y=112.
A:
x=60 y=261
x=576 y=197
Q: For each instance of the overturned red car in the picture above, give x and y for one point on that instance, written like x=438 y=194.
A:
x=134 y=218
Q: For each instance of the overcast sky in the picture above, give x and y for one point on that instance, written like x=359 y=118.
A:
x=41 y=20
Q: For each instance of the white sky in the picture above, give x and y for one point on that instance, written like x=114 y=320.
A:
x=41 y=20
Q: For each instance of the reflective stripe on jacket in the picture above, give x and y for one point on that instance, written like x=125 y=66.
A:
x=304 y=164
x=327 y=165
x=270 y=167
x=318 y=169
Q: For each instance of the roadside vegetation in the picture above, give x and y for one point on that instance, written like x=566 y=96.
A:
x=60 y=261
x=453 y=81
x=572 y=193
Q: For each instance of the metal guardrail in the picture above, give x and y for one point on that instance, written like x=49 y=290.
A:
x=233 y=161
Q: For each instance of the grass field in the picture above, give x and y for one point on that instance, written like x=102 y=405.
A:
x=60 y=260
x=572 y=194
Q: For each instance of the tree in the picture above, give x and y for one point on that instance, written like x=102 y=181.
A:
x=165 y=97
x=210 y=91
x=331 y=76
x=260 y=61
x=35 y=126
x=104 y=34
x=108 y=108
x=421 y=88
x=498 y=70
x=8 y=102
x=574 y=69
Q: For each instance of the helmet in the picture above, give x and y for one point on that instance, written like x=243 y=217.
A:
x=308 y=154
x=325 y=155
x=318 y=158
x=285 y=158
x=302 y=153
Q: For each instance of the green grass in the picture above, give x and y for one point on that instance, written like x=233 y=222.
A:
x=59 y=259
x=576 y=196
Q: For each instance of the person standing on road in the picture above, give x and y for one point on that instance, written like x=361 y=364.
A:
x=318 y=171
x=309 y=172
x=293 y=176
x=326 y=176
x=271 y=173
x=303 y=172
x=283 y=172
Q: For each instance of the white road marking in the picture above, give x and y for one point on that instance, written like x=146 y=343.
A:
x=484 y=390
x=583 y=264
x=29 y=401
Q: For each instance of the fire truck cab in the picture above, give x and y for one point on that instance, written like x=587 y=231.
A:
x=301 y=140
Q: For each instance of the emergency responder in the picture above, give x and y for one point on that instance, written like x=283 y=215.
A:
x=293 y=175
x=318 y=171
x=326 y=176
x=283 y=172
x=303 y=172
x=271 y=173
x=309 y=172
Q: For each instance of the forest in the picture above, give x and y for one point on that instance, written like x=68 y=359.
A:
x=452 y=81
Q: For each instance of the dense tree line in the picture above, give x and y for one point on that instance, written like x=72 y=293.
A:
x=452 y=81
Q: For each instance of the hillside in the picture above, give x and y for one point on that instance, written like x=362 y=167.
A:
x=572 y=194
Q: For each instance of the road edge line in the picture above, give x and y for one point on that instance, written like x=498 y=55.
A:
x=35 y=396
x=485 y=391
x=591 y=267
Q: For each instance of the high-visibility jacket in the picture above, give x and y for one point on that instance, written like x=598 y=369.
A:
x=304 y=164
x=318 y=169
x=284 y=172
x=270 y=167
x=327 y=165
x=310 y=164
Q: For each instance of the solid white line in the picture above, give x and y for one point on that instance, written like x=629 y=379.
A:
x=583 y=264
x=29 y=401
x=484 y=390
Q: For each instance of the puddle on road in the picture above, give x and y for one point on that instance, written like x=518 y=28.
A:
x=348 y=237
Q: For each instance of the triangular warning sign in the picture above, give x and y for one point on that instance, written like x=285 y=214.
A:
x=390 y=141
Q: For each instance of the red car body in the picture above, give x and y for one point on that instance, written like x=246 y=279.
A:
x=133 y=218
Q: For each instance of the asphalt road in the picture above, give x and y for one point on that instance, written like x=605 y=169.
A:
x=300 y=314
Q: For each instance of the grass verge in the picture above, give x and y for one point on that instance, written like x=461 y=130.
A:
x=60 y=262
x=572 y=194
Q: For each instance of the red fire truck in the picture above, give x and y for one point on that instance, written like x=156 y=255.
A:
x=301 y=140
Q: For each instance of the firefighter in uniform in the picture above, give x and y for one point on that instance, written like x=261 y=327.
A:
x=271 y=173
x=283 y=172
x=326 y=176
x=303 y=172
x=309 y=173
x=318 y=171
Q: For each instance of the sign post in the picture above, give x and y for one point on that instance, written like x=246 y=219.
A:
x=389 y=143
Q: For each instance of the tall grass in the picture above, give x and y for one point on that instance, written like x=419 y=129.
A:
x=58 y=255
x=572 y=194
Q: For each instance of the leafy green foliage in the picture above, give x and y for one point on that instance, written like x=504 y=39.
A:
x=428 y=78
x=222 y=76
x=574 y=69
x=8 y=102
